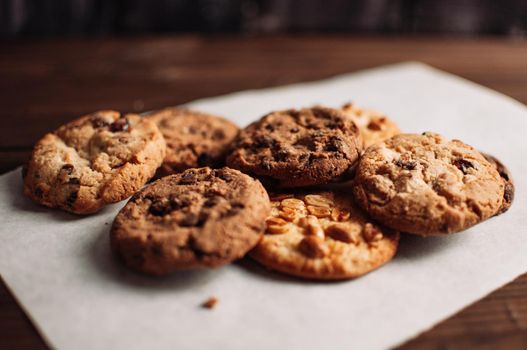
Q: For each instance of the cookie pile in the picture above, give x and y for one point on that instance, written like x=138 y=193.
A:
x=319 y=193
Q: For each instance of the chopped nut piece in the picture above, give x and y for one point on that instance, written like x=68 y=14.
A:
x=319 y=212
x=312 y=226
x=290 y=214
x=340 y=214
x=370 y=233
x=293 y=203
x=313 y=247
x=210 y=303
x=277 y=229
x=341 y=232
x=318 y=201
x=275 y=221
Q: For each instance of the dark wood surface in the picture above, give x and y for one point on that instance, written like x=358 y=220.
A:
x=44 y=84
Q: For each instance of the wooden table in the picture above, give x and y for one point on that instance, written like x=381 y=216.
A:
x=44 y=84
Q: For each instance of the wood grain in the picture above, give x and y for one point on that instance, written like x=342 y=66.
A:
x=47 y=83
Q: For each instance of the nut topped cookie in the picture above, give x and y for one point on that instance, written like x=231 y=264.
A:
x=199 y=218
x=97 y=159
x=508 y=183
x=194 y=139
x=374 y=126
x=426 y=184
x=322 y=235
x=295 y=148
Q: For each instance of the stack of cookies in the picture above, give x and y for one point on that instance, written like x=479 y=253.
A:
x=319 y=193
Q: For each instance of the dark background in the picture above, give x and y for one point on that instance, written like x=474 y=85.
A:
x=51 y=18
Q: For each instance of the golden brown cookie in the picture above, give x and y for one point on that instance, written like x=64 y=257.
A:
x=194 y=139
x=426 y=184
x=295 y=148
x=508 y=194
x=323 y=236
x=199 y=218
x=374 y=126
x=98 y=159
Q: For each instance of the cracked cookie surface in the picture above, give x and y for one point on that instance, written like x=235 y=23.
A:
x=95 y=160
x=426 y=184
x=374 y=126
x=324 y=236
x=199 y=218
x=194 y=139
x=295 y=148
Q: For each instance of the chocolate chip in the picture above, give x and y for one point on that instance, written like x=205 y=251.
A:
x=266 y=164
x=225 y=176
x=508 y=195
x=189 y=220
x=462 y=164
x=281 y=156
x=294 y=113
x=218 y=134
x=74 y=181
x=264 y=141
x=406 y=164
x=235 y=209
x=188 y=178
x=178 y=203
x=70 y=201
x=98 y=122
x=38 y=192
x=160 y=208
x=294 y=130
x=374 y=125
x=270 y=127
x=120 y=124
x=212 y=201
x=203 y=159
x=335 y=144
x=67 y=168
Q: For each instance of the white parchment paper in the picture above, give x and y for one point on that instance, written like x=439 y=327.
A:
x=60 y=268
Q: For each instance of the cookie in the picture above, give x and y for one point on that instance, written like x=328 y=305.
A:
x=323 y=236
x=194 y=139
x=374 y=126
x=98 y=159
x=426 y=184
x=199 y=218
x=295 y=148
x=508 y=183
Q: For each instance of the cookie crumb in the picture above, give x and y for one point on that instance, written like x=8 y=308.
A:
x=210 y=303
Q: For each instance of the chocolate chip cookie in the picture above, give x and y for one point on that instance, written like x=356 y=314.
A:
x=295 y=148
x=426 y=184
x=97 y=159
x=508 y=183
x=323 y=236
x=194 y=139
x=199 y=218
x=374 y=126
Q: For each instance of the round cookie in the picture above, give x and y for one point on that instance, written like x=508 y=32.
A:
x=508 y=194
x=198 y=218
x=323 y=236
x=98 y=159
x=295 y=148
x=426 y=184
x=194 y=139
x=374 y=126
